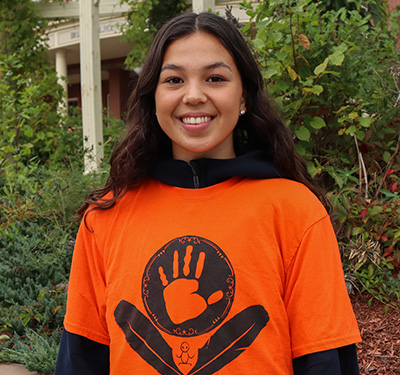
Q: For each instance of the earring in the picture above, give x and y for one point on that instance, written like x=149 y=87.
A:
x=242 y=112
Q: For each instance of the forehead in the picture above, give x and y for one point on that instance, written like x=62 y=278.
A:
x=197 y=49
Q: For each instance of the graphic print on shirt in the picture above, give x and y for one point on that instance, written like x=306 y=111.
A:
x=188 y=288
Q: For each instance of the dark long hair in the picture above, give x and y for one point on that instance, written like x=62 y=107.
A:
x=261 y=126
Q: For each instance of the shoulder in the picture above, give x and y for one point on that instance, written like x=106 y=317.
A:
x=95 y=215
x=287 y=193
x=286 y=201
x=284 y=186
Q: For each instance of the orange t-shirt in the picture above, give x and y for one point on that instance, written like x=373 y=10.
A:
x=236 y=278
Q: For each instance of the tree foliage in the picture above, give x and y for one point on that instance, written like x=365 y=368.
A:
x=377 y=9
x=29 y=93
x=336 y=76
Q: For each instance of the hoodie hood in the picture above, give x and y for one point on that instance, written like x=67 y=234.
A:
x=206 y=172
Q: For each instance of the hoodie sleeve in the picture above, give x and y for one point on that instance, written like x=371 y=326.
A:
x=78 y=355
x=340 y=361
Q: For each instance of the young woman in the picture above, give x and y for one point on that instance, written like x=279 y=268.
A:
x=208 y=250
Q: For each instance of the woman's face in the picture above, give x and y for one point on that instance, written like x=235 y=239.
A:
x=198 y=98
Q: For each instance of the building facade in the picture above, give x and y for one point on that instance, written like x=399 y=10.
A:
x=116 y=81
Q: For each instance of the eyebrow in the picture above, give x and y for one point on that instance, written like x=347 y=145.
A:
x=215 y=65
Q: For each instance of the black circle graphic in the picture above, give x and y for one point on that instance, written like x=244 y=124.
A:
x=182 y=261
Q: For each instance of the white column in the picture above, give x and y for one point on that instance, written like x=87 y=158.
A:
x=91 y=83
x=61 y=69
x=203 y=5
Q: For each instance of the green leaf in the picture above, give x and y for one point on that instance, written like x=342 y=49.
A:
x=42 y=293
x=345 y=202
x=357 y=231
x=270 y=73
x=387 y=156
x=281 y=85
x=276 y=36
x=321 y=67
x=313 y=169
x=9 y=148
x=300 y=149
x=360 y=134
x=258 y=44
x=302 y=133
x=26 y=151
x=365 y=121
x=28 y=131
x=387 y=193
x=292 y=73
x=375 y=210
x=317 y=123
x=337 y=58
x=342 y=109
x=351 y=130
x=372 y=291
x=316 y=89
x=282 y=55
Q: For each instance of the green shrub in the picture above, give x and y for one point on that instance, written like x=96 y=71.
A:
x=37 y=232
x=33 y=272
x=36 y=352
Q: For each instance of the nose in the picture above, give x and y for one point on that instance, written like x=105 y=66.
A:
x=194 y=93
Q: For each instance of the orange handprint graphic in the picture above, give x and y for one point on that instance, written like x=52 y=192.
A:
x=181 y=299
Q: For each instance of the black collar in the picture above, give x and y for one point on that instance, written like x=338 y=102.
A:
x=201 y=173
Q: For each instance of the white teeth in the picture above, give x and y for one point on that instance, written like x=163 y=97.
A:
x=195 y=120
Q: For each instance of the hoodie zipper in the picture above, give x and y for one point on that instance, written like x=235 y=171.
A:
x=195 y=176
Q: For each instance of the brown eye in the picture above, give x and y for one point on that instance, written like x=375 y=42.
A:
x=174 y=80
x=216 y=79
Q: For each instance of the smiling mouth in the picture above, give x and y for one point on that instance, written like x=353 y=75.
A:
x=196 y=120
